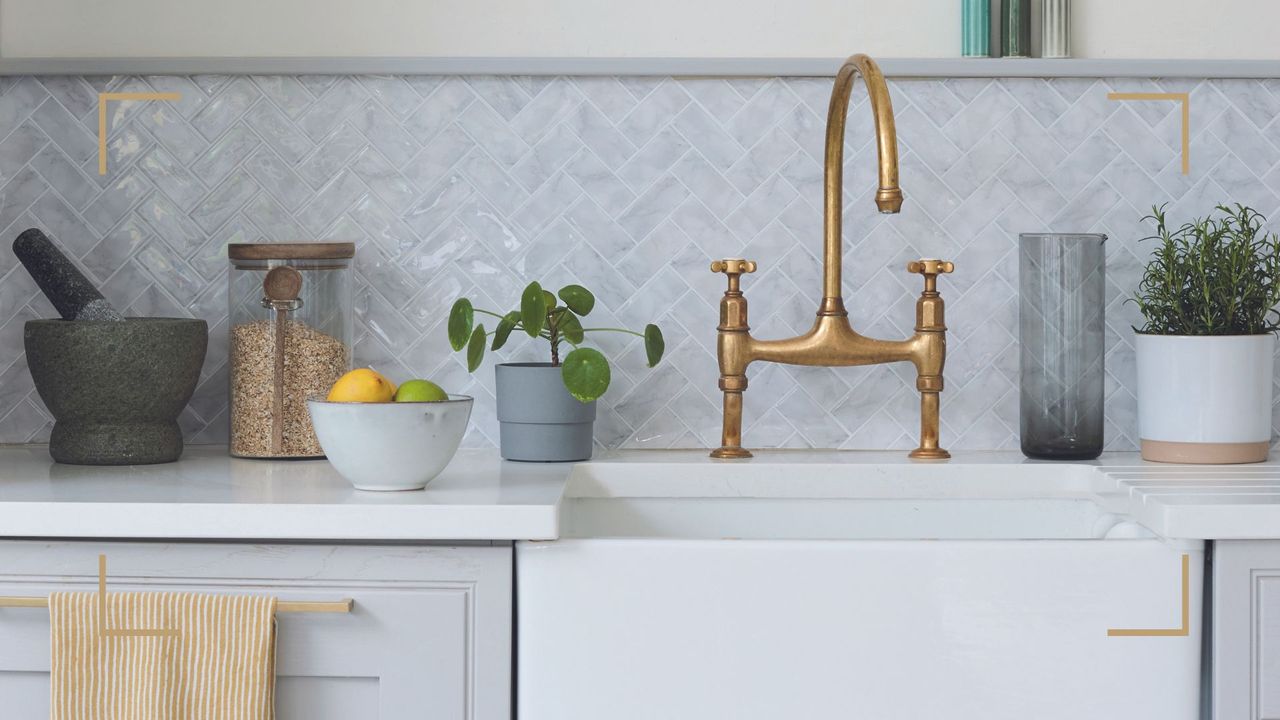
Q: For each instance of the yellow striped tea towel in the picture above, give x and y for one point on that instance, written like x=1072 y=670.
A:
x=215 y=659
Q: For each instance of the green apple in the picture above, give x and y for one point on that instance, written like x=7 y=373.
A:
x=420 y=391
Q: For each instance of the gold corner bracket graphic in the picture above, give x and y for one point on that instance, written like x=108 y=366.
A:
x=103 y=99
x=1185 y=99
x=105 y=631
x=1183 y=631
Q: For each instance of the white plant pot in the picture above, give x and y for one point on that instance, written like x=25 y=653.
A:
x=1205 y=399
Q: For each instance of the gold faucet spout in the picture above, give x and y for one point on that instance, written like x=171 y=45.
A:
x=888 y=195
x=832 y=341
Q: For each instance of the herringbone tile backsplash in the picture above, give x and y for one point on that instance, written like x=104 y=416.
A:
x=475 y=185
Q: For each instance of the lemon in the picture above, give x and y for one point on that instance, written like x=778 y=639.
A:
x=420 y=391
x=362 y=385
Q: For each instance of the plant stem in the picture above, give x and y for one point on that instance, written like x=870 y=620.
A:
x=487 y=312
x=621 y=330
x=553 y=332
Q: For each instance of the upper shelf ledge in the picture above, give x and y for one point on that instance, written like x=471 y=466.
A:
x=718 y=67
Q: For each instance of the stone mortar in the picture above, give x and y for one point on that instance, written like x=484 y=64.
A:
x=116 y=388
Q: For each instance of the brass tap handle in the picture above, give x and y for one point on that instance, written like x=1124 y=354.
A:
x=930 y=269
x=733 y=267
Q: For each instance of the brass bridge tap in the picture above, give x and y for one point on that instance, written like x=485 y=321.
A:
x=832 y=341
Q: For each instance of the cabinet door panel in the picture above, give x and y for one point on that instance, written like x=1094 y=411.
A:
x=1266 y=629
x=1246 y=630
x=429 y=635
x=307 y=698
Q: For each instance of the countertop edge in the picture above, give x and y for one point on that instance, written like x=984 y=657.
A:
x=208 y=521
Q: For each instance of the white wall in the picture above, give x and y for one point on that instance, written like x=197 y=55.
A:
x=1227 y=29
x=603 y=28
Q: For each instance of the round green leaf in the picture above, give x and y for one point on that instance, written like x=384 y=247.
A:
x=653 y=344
x=533 y=309
x=505 y=326
x=549 y=299
x=578 y=299
x=585 y=373
x=475 y=348
x=461 y=316
x=570 y=327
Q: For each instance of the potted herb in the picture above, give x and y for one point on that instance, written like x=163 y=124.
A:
x=545 y=410
x=1205 y=351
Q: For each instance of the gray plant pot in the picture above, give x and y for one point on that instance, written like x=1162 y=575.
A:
x=115 y=389
x=540 y=420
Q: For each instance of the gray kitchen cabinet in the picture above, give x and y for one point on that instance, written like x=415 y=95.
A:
x=1246 y=630
x=429 y=635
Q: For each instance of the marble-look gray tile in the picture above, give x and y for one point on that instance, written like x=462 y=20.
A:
x=286 y=93
x=553 y=102
x=341 y=100
x=494 y=184
x=171 y=177
x=278 y=178
x=116 y=200
x=21 y=145
x=171 y=130
x=70 y=136
x=222 y=157
x=331 y=156
x=172 y=273
x=331 y=201
x=277 y=131
x=442 y=106
x=392 y=92
x=19 y=100
x=555 y=148
x=471 y=186
x=62 y=224
x=59 y=172
x=116 y=248
x=224 y=109
x=1250 y=145
x=384 y=132
x=224 y=200
x=490 y=132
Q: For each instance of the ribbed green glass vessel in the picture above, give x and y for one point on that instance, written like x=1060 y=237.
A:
x=1015 y=28
x=975 y=31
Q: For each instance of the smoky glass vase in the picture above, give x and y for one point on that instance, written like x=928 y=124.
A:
x=1061 y=280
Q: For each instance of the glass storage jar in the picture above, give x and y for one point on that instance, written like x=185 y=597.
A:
x=290 y=339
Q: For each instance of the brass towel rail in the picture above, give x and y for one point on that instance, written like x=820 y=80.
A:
x=293 y=606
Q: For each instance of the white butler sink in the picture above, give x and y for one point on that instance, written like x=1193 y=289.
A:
x=850 y=585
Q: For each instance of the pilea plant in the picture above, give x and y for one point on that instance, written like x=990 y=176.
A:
x=585 y=370
x=1211 y=276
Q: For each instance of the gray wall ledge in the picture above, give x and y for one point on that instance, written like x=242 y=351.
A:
x=716 y=67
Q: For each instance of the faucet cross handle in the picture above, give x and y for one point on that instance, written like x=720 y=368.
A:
x=733 y=267
x=930 y=269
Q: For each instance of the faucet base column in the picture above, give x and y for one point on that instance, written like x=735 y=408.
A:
x=731 y=453
x=731 y=435
x=929 y=449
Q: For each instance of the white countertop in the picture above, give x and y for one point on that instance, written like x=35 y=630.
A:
x=208 y=494
x=480 y=497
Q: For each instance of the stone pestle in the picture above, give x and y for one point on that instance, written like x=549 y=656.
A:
x=74 y=296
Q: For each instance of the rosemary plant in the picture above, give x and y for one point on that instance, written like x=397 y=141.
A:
x=1218 y=275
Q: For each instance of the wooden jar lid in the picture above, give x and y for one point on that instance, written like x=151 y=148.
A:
x=291 y=251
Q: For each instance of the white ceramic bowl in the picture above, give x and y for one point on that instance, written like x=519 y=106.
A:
x=393 y=445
